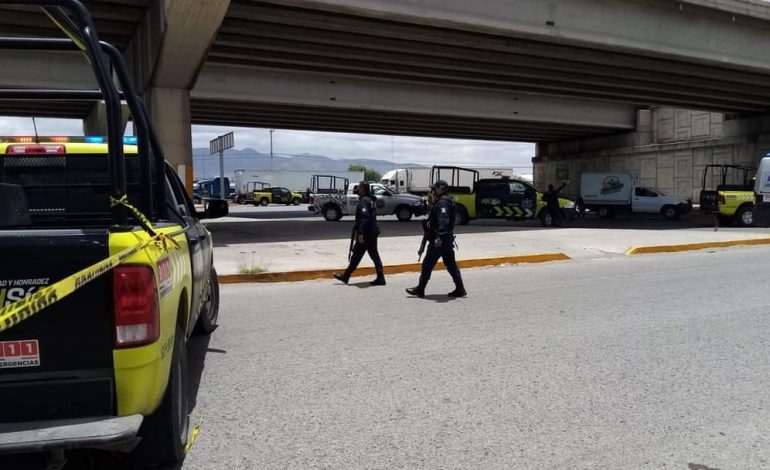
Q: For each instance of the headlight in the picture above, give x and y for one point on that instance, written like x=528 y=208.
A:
x=570 y=205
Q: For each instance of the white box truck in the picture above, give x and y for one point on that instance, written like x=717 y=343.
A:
x=610 y=193
x=761 y=215
x=416 y=180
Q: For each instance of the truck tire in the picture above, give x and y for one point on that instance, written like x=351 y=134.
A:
x=604 y=213
x=403 y=213
x=207 y=320
x=296 y=201
x=264 y=201
x=745 y=216
x=164 y=433
x=331 y=213
x=669 y=212
x=461 y=215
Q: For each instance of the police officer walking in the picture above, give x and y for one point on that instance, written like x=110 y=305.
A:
x=441 y=223
x=365 y=231
x=551 y=198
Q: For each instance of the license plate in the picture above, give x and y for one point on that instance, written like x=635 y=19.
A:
x=23 y=353
x=766 y=198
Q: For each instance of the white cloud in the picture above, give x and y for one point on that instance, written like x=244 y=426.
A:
x=45 y=126
x=399 y=149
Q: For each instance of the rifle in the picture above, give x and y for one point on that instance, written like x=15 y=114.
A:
x=425 y=238
x=352 y=242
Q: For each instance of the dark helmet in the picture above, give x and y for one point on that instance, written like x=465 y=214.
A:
x=440 y=184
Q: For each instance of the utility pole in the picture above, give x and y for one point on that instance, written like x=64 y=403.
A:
x=271 y=149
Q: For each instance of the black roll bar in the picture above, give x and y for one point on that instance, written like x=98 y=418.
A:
x=82 y=32
x=83 y=37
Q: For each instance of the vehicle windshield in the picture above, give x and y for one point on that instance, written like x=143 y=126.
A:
x=379 y=190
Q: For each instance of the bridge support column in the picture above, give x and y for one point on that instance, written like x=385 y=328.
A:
x=166 y=55
x=170 y=113
x=96 y=121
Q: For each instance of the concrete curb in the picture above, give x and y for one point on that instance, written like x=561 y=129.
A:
x=293 y=276
x=643 y=250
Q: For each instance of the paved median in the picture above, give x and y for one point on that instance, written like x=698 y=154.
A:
x=289 y=276
x=297 y=247
x=641 y=250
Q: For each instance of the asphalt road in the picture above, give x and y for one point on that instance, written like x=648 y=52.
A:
x=648 y=362
x=645 y=362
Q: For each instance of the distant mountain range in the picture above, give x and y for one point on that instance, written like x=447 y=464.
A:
x=207 y=166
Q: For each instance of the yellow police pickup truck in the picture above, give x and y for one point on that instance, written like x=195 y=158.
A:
x=496 y=198
x=276 y=195
x=106 y=273
x=728 y=193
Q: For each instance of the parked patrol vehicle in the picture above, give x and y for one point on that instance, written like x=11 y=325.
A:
x=728 y=193
x=106 y=273
x=333 y=206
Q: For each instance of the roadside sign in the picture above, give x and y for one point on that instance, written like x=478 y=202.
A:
x=219 y=145
x=222 y=143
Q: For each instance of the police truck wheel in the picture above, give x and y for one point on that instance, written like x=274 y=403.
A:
x=332 y=213
x=745 y=216
x=264 y=201
x=164 y=433
x=296 y=201
x=545 y=219
x=669 y=212
x=207 y=321
x=403 y=213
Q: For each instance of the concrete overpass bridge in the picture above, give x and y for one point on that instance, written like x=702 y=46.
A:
x=579 y=78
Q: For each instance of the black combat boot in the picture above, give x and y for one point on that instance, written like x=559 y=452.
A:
x=459 y=291
x=419 y=291
x=342 y=277
x=380 y=281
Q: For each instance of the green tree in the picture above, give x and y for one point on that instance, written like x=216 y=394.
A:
x=370 y=174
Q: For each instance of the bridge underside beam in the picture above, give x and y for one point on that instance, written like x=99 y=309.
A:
x=694 y=31
x=269 y=98
x=641 y=53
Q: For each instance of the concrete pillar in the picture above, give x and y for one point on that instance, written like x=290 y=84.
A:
x=170 y=113
x=96 y=121
x=165 y=56
x=643 y=135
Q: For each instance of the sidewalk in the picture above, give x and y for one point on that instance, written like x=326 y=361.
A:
x=239 y=258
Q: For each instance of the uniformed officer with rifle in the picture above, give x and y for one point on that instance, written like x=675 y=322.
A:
x=364 y=236
x=441 y=242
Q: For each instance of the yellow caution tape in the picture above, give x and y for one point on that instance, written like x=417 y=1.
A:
x=145 y=223
x=193 y=435
x=15 y=313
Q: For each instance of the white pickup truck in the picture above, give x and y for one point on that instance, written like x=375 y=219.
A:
x=611 y=193
x=334 y=206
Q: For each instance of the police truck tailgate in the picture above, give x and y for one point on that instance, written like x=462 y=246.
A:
x=58 y=364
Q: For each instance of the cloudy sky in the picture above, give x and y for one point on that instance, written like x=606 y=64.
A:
x=333 y=145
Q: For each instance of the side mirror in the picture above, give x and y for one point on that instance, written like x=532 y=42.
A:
x=214 y=209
